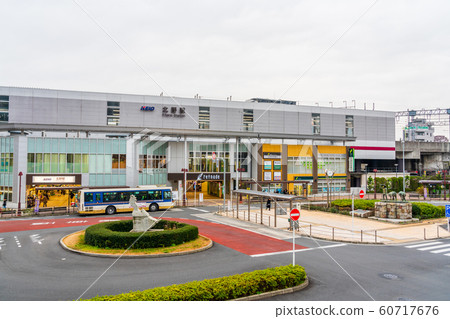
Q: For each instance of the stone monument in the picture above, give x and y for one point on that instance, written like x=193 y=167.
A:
x=142 y=221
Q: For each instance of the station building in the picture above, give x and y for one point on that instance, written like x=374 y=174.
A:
x=61 y=141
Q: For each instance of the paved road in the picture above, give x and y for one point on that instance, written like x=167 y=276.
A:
x=34 y=267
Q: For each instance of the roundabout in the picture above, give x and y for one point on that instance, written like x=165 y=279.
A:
x=117 y=239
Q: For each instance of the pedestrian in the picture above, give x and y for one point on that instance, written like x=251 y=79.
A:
x=268 y=204
x=4 y=204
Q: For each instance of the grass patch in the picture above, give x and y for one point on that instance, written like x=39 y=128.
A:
x=76 y=241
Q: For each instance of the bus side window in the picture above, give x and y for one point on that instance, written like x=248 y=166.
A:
x=88 y=197
x=144 y=195
x=167 y=195
x=98 y=197
x=158 y=195
x=126 y=196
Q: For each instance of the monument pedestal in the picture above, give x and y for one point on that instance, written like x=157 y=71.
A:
x=393 y=210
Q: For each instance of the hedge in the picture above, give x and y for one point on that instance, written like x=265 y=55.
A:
x=365 y=204
x=117 y=235
x=426 y=211
x=224 y=288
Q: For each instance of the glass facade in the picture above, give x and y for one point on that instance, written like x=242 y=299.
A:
x=333 y=162
x=103 y=159
x=349 y=127
x=6 y=167
x=201 y=154
x=299 y=165
x=152 y=163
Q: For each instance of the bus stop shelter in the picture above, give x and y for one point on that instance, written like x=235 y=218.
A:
x=264 y=196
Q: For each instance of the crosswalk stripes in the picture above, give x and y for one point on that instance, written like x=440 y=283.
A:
x=19 y=241
x=435 y=247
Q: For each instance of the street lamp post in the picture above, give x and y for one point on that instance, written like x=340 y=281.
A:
x=445 y=195
x=396 y=169
x=375 y=184
x=20 y=191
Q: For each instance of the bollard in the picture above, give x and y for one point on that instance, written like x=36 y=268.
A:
x=437 y=227
x=424 y=234
x=310 y=230
x=333 y=234
x=375 y=237
x=269 y=221
x=361 y=235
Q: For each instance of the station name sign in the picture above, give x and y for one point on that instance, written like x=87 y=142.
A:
x=147 y=108
x=173 y=111
x=53 y=179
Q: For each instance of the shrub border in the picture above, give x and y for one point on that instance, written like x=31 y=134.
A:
x=219 y=289
x=180 y=253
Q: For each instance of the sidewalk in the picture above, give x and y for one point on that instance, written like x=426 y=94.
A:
x=344 y=228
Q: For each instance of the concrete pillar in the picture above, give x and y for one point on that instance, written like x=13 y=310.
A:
x=132 y=169
x=19 y=165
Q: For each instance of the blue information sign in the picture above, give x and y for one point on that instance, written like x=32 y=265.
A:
x=447 y=210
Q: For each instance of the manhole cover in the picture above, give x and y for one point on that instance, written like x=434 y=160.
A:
x=390 y=276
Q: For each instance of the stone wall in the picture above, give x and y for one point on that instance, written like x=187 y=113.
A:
x=393 y=210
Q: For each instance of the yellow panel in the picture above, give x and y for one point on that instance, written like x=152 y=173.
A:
x=299 y=150
x=271 y=148
x=331 y=149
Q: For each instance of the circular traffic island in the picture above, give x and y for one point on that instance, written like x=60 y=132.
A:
x=113 y=239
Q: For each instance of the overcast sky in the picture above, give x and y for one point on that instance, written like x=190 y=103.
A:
x=396 y=54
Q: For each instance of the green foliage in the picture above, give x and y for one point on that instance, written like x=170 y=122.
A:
x=224 y=288
x=117 y=235
x=426 y=211
x=365 y=204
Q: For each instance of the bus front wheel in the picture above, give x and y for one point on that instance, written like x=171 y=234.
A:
x=153 y=207
x=110 y=210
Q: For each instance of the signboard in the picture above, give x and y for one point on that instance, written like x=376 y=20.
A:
x=447 y=211
x=295 y=214
x=175 y=195
x=267 y=164
x=272 y=155
x=214 y=156
x=147 y=108
x=173 y=111
x=53 y=179
x=276 y=164
x=200 y=197
x=277 y=176
x=267 y=176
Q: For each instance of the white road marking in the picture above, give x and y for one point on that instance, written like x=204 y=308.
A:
x=77 y=221
x=47 y=223
x=36 y=238
x=434 y=247
x=200 y=210
x=2 y=243
x=176 y=210
x=426 y=244
x=298 y=250
x=440 y=251
x=17 y=242
x=447 y=255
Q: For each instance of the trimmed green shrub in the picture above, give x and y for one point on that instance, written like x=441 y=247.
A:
x=426 y=211
x=117 y=235
x=365 y=204
x=224 y=288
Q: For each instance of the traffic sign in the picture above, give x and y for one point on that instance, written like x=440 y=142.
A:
x=214 y=156
x=447 y=210
x=295 y=214
x=361 y=193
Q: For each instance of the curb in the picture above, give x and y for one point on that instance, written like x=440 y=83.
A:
x=276 y=292
x=134 y=256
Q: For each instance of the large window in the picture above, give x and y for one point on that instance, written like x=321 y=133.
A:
x=203 y=162
x=349 y=126
x=113 y=113
x=315 y=122
x=203 y=117
x=248 y=120
x=333 y=162
x=4 y=108
x=300 y=165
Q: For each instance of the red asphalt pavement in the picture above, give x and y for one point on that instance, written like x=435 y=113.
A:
x=241 y=240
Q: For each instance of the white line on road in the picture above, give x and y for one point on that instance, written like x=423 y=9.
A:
x=440 y=251
x=434 y=247
x=200 y=210
x=36 y=238
x=298 y=250
x=447 y=255
x=17 y=242
x=77 y=221
x=426 y=244
x=47 y=223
